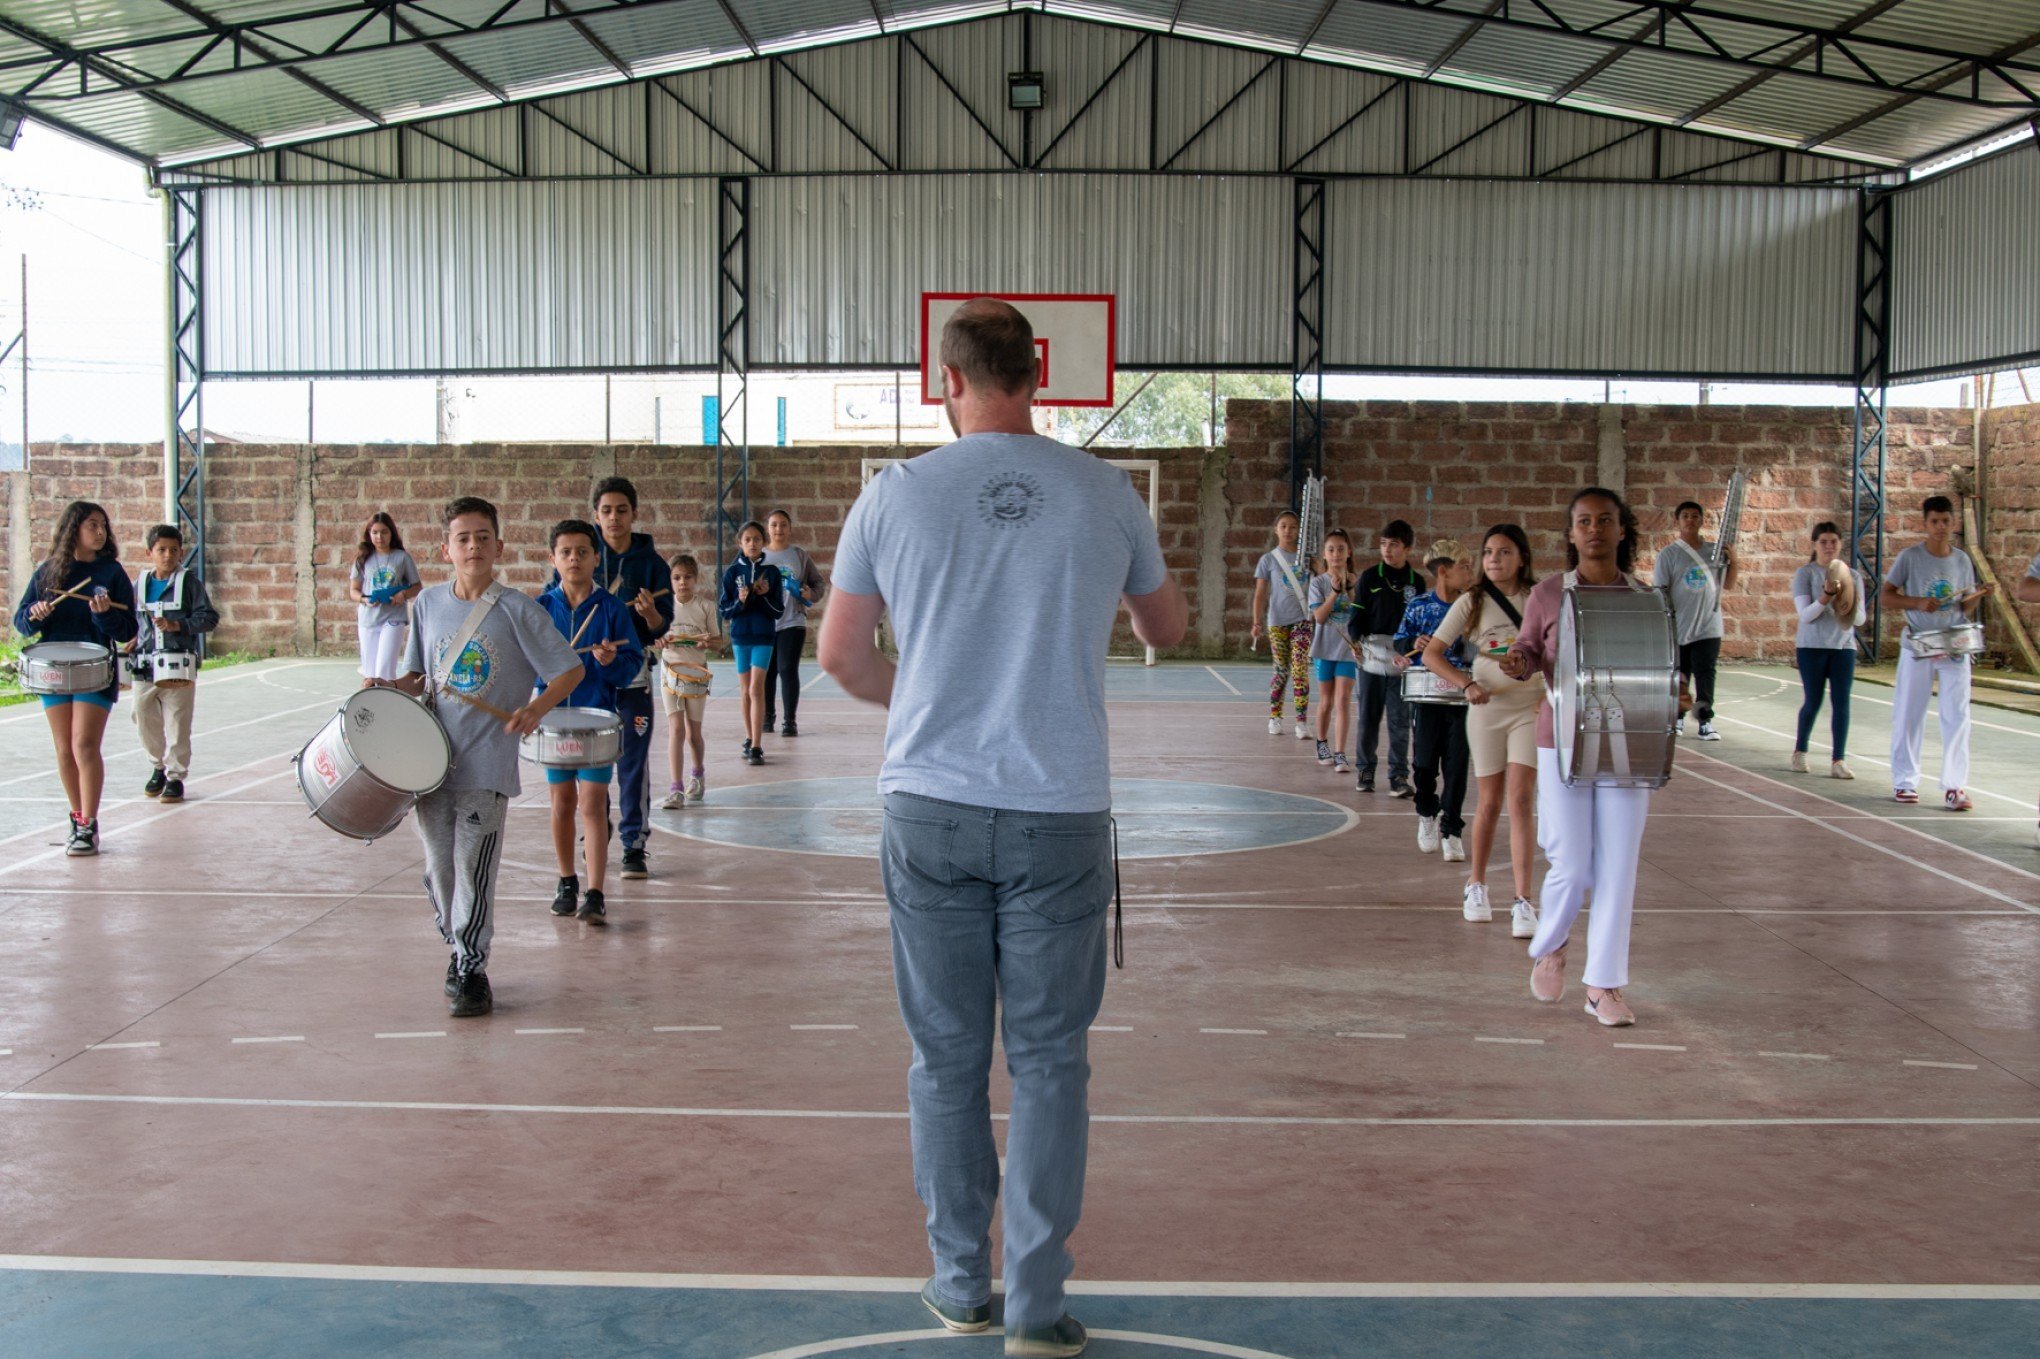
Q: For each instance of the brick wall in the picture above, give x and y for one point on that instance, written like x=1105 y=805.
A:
x=283 y=521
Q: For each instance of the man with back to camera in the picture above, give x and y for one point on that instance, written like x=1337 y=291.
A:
x=997 y=852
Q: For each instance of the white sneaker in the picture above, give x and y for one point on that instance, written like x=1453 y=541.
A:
x=1455 y=850
x=694 y=788
x=1302 y=731
x=674 y=797
x=1708 y=733
x=1799 y=762
x=1274 y=726
x=1427 y=834
x=1522 y=920
x=1474 y=906
x=1840 y=770
x=1339 y=765
x=1324 y=752
x=1679 y=727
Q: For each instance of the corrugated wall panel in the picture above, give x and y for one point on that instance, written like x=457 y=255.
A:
x=737 y=100
x=1966 y=266
x=973 y=60
x=1079 y=60
x=1201 y=82
x=459 y=277
x=1200 y=265
x=1496 y=277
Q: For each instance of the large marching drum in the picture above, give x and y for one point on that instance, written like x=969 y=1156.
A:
x=372 y=761
x=1615 y=687
x=575 y=738
x=66 y=668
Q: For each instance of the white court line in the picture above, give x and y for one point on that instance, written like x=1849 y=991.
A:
x=1145 y=1288
x=1243 y=1033
x=196 y=737
x=1799 y=1056
x=1373 y=1035
x=290 y=1038
x=547 y=1031
x=1528 y=1042
x=129 y=828
x=1112 y=1028
x=6 y=1052
x=1651 y=1047
x=1944 y=1066
x=686 y=1028
x=232 y=673
x=1992 y=892
x=900 y=1115
x=821 y=1028
x=1872 y=759
x=117 y=1047
x=416 y=1033
x=1228 y=683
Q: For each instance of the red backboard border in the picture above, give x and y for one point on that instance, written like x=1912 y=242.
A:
x=1111 y=301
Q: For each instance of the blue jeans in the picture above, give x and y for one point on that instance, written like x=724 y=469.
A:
x=997 y=907
x=1832 y=669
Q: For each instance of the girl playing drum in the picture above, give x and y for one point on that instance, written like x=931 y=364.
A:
x=1332 y=661
x=80 y=594
x=1829 y=600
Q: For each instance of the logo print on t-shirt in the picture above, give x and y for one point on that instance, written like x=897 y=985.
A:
x=1942 y=592
x=1696 y=578
x=1009 y=500
x=471 y=672
x=381 y=577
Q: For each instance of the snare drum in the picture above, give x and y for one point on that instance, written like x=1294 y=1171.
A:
x=372 y=761
x=1615 y=688
x=1963 y=639
x=1419 y=685
x=66 y=668
x=170 y=669
x=575 y=738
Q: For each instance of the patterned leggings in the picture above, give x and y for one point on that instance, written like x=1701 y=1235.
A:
x=1291 y=646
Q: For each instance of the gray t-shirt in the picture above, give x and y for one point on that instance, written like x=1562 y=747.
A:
x=1328 y=642
x=516 y=649
x=795 y=565
x=1696 y=591
x=1283 y=610
x=380 y=570
x=1917 y=571
x=1001 y=558
x=1824 y=632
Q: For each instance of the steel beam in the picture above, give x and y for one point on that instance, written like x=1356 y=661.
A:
x=184 y=380
x=1307 y=339
x=1873 y=373
x=733 y=362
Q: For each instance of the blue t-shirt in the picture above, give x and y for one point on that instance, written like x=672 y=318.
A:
x=1001 y=558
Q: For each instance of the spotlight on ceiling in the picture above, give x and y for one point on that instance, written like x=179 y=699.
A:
x=10 y=126
x=1024 y=90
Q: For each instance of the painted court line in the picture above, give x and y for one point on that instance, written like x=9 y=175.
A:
x=293 y=1038
x=812 y=1283
x=1112 y=1028
x=1373 y=1035
x=1226 y=682
x=6 y=1052
x=418 y=1033
x=1243 y=1033
x=116 y=1047
x=546 y=1031
x=1872 y=759
x=1799 y=1056
x=821 y=1028
x=900 y=1115
x=1527 y=1042
x=686 y=1028
x=1944 y=1066
x=1651 y=1047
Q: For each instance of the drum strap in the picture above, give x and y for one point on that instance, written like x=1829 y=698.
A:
x=1713 y=581
x=469 y=626
x=1494 y=592
x=1295 y=588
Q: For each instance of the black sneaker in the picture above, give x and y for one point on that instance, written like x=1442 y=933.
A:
x=962 y=1320
x=154 y=787
x=173 y=791
x=634 y=865
x=1400 y=788
x=84 y=840
x=747 y=747
x=1365 y=784
x=471 y=996
x=591 y=908
x=568 y=897
x=757 y=756
x=1064 y=1340
x=789 y=730
x=452 y=978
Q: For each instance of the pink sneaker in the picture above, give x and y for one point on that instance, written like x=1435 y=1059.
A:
x=1547 y=977
x=1957 y=800
x=1610 y=1009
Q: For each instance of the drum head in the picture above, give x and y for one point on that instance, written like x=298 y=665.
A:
x=1840 y=576
x=580 y=721
x=57 y=653
x=397 y=739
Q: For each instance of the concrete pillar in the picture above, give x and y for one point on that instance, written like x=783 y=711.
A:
x=1213 y=519
x=304 y=557
x=1612 y=465
x=20 y=534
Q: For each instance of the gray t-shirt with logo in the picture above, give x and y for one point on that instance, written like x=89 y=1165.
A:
x=1917 y=571
x=383 y=569
x=515 y=649
x=1696 y=590
x=1283 y=609
x=1001 y=558
x=796 y=566
x=1328 y=642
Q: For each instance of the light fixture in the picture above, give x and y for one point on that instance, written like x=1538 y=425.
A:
x=1024 y=90
x=10 y=126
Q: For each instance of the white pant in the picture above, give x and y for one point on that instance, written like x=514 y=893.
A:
x=382 y=650
x=1916 y=677
x=1594 y=839
x=163 y=717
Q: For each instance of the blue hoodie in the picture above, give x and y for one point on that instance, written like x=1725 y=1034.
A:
x=602 y=617
x=73 y=620
x=753 y=619
x=623 y=574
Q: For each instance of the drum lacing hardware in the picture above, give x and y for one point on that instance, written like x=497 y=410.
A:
x=1118 y=902
x=1601 y=711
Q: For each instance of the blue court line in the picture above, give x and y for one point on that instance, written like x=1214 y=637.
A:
x=67 y=1315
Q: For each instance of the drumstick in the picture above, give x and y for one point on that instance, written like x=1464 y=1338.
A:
x=72 y=593
x=584 y=650
x=583 y=628
x=489 y=708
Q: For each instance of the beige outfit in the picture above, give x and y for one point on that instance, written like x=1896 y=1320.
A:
x=1503 y=730
x=694 y=617
x=162 y=712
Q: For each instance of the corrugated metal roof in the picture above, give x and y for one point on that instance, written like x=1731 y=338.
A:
x=1900 y=82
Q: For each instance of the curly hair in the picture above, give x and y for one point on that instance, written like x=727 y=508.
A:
x=1625 y=551
x=365 y=549
x=64 y=542
x=1525 y=578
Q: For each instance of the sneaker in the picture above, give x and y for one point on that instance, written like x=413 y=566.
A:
x=1905 y=795
x=1364 y=784
x=1799 y=762
x=471 y=996
x=789 y=730
x=591 y=908
x=1610 y=1009
x=695 y=788
x=1840 y=770
x=1679 y=727
x=1274 y=726
x=757 y=756
x=634 y=865
x=747 y=747
x=452 y=978
x=173 y=791
x=674 y=797
x=568 y=897
x=1474 y=904
x=1547 y=977
x=1401 y=788
x=1455 y=850
x=1339 y=765
x=1522 y=919
x=962 y=1320
x=1955 y=800
x=1427 y=834
x=154 y=787
x=1064 y=1340
x=1302 y=731
x=84 y=841
x=1708 y=733
x=1324 y=752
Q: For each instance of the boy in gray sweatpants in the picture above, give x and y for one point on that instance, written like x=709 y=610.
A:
x=480 y=651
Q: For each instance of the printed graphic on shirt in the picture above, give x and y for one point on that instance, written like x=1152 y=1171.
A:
x=1696 y=577
x=1942 y=592
x=470 y=674
x=381 y=578
x=1010 y=500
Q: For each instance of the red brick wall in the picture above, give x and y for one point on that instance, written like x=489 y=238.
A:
x=2012 y=438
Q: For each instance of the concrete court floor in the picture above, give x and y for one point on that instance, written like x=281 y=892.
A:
x=1330 y=1121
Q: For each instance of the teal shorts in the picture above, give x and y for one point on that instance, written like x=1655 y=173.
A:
x=96 y=699
x=602 y=774
x=1327 y=671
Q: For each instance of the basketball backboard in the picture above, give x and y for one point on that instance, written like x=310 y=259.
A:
x=1074 y=336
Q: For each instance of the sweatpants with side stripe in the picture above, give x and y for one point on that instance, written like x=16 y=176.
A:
x=463 y=834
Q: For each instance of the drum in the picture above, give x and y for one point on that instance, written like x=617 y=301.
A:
x=372 y=761
x=66 y=668
x=171 y=669
x=1615 y=688
x=575 y=738
x=1963 y=639
x=1843 y=581
x=1421 y=686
